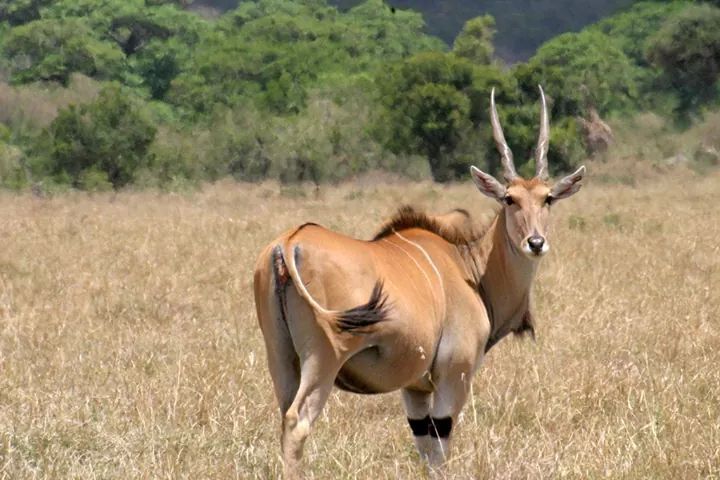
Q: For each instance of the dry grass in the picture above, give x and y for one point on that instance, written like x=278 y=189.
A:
x=38 y=104
x=129 y=346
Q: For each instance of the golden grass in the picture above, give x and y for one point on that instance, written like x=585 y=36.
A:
x=129 y=346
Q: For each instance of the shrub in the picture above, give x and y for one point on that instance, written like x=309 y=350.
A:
x=581 y=70
x=17 y=12
x=687 y=49
x=474 y=42
x=94 y=180
x=12 y=171
x=631 y=29
x=433 y=104
x=110 y=135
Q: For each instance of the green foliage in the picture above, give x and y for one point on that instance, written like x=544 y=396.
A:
x=581 y=70
x=53 y=49
x=300 y=91
x=179 y=3
x=93 y=179
x=272 y=51
x=17 y=12
x=630 y=29
x=110 y=135
x=328 y=141
x=432 y=103
x=12 y=171
x=156 y=40
x=237 y=144
x=474 y=42
x=566 y=150
x=687 y=49
x=376 y=34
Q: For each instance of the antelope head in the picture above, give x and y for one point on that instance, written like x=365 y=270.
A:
x=526 y=202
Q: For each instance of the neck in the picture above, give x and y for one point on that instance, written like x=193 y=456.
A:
x=504 y=278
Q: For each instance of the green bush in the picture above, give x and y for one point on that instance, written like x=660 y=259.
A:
x=12 y=171
x=687 y=49
x=566 y=150
x=631 y=28
x=17 y=12
x=582 y=70
x=474 y=42
x=433 y=104
x=110 y=135
x=94 y=180
x=237 y=146
x=328 y=142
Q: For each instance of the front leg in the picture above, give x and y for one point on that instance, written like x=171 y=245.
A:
x=432 y=416
x=417 y=407
x=449 y=398
x=455 y=363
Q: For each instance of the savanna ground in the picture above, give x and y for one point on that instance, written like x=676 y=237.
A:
x=129 y=346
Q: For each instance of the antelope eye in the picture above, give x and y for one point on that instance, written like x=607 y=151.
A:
x=549 y=200
x=508 y=200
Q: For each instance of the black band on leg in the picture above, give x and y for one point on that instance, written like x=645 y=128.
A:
x=440 y=427
x=420 y=427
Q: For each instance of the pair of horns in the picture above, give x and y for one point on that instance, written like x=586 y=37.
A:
x=506 y=156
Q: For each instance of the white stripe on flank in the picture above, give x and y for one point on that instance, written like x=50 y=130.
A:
x=432 y=264
x=427 y=279
x=429 y=259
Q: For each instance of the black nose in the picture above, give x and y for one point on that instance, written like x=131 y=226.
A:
x=536 y=243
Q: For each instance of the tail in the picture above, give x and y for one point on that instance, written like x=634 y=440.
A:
x=358 y=320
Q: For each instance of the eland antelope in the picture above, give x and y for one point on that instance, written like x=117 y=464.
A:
x=415 y=309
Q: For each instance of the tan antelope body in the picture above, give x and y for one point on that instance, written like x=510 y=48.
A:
x=414 y=309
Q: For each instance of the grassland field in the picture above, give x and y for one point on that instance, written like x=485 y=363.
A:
x=129 y=347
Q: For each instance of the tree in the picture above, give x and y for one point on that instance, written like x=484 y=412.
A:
x=474 y=42
x=157 y=40
x=582 y=70
x=18 y=12
x=110 y=136
x=271 y=52
x=52 y=49
x=687 y=49
x=433 y=104
x=630 y=29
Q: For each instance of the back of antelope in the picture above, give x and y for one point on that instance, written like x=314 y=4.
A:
x=415 y=309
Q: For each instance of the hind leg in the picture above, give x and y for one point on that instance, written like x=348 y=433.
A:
x=285 y=372
x=300 y=362
x=282 y=359
x=316 y=383
x=319 y=366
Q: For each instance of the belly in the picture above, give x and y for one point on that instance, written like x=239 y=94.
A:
x=380 y=369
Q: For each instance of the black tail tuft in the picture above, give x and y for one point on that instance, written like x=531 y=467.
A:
x=374 y=311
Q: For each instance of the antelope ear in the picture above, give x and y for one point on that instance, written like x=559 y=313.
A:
x=487 y=184
x=568 y=185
